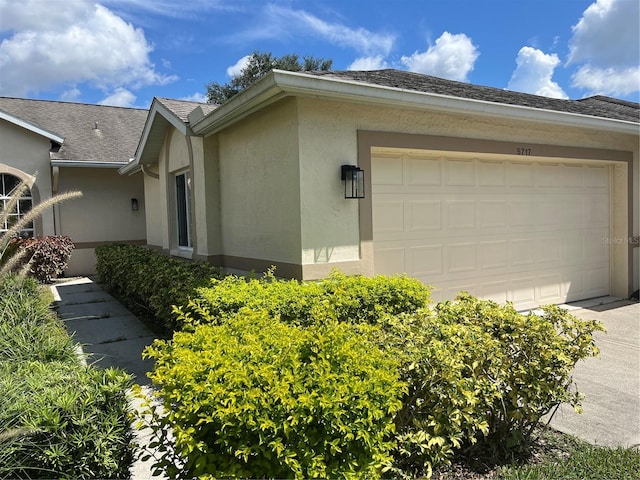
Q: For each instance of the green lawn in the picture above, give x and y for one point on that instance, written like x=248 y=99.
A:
x=555 y=456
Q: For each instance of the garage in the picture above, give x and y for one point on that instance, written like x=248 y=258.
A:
x=528 y=230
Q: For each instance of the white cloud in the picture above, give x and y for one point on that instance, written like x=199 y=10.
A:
x=607 y=81
x=120 y=98
x=605 y=45
x=534 y=72
x=196 y=97
x=452 y=57
x=284 y=21
x=369 y=63
x=86 y=43
x=236 y=69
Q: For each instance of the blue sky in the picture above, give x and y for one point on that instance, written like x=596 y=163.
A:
x=125 y=52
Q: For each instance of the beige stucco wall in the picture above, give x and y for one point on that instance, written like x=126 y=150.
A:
x=328 y=139
x=28 y=153
x=155 y=206
x=103 y=214
x=260 y=186
x=206 y=192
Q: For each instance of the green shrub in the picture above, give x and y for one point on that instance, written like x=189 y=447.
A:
x=449 y=393
x=47 y=256
x=58 y=419
x=29 y=329
x=255 y=397
x=531 y=365
x=151 y=282
x=349 y=299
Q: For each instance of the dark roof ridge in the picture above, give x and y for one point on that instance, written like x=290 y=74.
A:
x=605 y=98
x=66 y=102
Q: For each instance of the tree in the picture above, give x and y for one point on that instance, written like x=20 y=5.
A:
x=258 y=65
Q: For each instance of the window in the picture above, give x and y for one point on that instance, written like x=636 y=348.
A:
x=8 y=185
x=183 y=209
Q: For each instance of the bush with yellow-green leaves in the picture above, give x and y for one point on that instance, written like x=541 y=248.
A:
x=241 y=394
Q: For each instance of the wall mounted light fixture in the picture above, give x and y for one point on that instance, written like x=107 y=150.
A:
x=134 y=204
x=353 y=181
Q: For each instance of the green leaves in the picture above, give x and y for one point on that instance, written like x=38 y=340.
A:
x=58 y=419
x=150 y=282
x=277 y=400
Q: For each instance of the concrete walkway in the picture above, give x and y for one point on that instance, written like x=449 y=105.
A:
x=610 y=382
x=112 y=336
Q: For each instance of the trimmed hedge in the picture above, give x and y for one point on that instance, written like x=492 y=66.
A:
x=58 y=419
x=150 y=282
x=257 y=398
x=351 y=299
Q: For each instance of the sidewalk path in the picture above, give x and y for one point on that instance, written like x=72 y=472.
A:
x=107 y=331
x=110 y=336
x=610 y=382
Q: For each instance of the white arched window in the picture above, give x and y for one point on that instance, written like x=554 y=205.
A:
x=8 y=186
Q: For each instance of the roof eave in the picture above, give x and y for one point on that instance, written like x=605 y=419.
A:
x=280 y=83
x=85 y=164
x=31 y=127
x=154 y=130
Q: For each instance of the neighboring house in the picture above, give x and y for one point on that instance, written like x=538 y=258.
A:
x=57 y=147
x=509 y=196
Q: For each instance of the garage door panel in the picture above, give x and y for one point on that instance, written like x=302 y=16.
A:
x=597 y=177
x=491 y=174
x=520 y=174
x=527 y=232
x=389 y=216
x=492 y=214
x=424 y=172
x=492 y=254
x=460 y=214
x=426 y=260
x=424 y=215
x=572 y=212
x=546 y=175
x=460 y=173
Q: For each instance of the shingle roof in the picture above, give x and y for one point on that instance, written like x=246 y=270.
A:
x=93 y=133
x=182 y=108
x=598 y=106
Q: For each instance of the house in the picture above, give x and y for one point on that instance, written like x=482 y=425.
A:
x=510 y=196
x=57 y=147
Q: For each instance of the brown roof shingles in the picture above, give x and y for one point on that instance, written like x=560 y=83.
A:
x=92 y=133
x=182 y=108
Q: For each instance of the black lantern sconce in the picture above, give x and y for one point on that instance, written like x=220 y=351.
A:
x=134 y=204
x=353 y=181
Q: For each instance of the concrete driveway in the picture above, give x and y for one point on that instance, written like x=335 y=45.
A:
x=610 y=382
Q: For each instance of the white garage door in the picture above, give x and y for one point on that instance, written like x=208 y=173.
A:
x=528 y=232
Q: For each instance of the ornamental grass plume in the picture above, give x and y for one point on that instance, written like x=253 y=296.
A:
x=10 y=258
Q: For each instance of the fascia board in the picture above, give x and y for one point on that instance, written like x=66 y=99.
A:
x=280 y=83
x=85 y=164
x=130 y=168
x=157 y=109
x=298 y=84
x=31 y=127
x=256 y=97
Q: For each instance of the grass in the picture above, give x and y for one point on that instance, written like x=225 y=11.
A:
x=554 y=456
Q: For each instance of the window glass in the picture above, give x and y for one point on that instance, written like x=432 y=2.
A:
x=8 y=185
x=183 y=209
